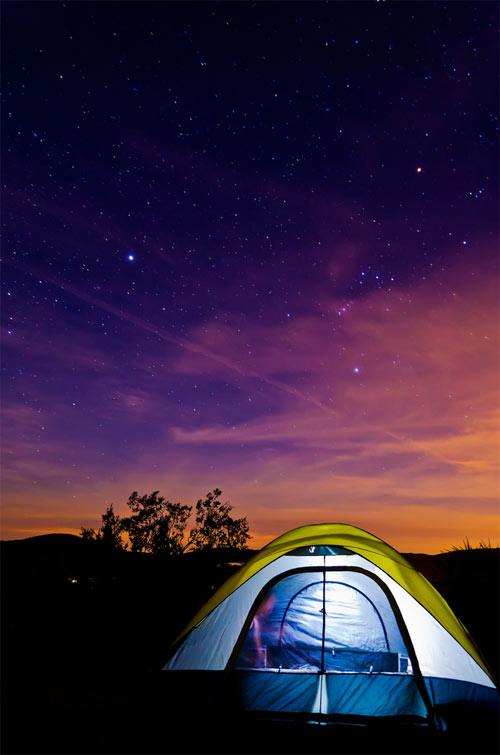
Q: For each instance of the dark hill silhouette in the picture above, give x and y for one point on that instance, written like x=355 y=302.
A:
x=86 y=630
x=56 y=552
x=50 y=537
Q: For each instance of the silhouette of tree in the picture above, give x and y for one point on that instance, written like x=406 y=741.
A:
x=109 y=534
x=157 y=525
x=215 y=527
x=111 y=529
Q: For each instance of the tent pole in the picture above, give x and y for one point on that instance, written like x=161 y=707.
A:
x=324 y=623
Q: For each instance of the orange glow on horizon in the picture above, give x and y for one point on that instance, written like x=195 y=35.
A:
x=406 y=448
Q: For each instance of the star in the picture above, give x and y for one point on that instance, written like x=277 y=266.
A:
x=131 y=257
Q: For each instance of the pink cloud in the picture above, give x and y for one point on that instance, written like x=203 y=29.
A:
x=406 y=447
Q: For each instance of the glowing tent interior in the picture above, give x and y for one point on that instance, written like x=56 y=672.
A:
x=329 y=623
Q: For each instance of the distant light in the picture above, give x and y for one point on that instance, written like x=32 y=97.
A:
x=356 y=369
x=131 y=258
x=464 y=241
x=419 y=169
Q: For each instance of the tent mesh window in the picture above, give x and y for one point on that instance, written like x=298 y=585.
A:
x=338 y=622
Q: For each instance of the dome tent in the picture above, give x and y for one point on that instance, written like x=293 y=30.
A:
x=327 y=623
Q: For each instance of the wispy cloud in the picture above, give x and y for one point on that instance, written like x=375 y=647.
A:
x=377 y=413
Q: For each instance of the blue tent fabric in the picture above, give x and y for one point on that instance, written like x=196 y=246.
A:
x=373 y=695
x=450 y=691
x=341 y=695
x=265 y=691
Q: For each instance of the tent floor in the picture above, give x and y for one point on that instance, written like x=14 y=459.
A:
x=132 y=719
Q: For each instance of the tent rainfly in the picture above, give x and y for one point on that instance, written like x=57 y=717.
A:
x=329 y=623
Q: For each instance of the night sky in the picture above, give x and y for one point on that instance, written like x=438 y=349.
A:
x=252 y=246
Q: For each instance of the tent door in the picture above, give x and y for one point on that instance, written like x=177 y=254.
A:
x=327 y=642
x=345 y=624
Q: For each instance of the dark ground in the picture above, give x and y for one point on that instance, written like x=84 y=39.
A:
x=85 y=634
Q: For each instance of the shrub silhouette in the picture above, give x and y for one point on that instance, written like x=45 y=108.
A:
x=157 y=525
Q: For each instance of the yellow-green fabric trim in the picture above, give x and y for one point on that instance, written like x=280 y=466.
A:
x=364 y=544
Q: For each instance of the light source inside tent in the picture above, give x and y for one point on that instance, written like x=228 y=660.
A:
x=320 y=621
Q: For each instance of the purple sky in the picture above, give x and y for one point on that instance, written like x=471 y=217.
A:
x=252 y=246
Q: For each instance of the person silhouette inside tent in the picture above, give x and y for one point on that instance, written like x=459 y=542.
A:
x=262 y=633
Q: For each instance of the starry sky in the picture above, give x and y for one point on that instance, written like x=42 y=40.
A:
x=252 y=246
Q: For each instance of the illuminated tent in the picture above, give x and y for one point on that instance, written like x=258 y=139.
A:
x=328 y=622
